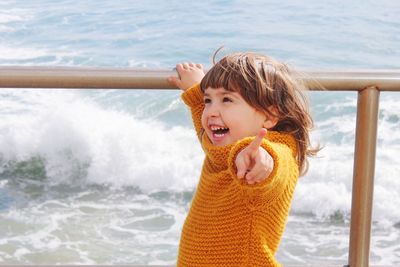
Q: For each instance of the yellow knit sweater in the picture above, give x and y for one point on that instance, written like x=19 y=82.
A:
x=232 y=223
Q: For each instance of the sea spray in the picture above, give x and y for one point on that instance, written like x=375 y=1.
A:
x=75 y=138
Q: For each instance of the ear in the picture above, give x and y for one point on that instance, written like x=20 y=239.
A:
x=271 y=117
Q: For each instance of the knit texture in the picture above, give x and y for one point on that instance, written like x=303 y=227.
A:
x=232 y=223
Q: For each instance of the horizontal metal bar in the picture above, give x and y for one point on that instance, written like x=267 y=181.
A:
x=152 y=265
x=144 y=78
x=84 y=77
x=351 y=80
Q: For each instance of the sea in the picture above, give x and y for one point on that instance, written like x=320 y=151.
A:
x=107 y=176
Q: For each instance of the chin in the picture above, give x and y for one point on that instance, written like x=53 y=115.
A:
x=219 y=142
x=223 y=143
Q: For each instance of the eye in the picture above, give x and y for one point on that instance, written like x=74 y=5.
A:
x=226 y=99
x=207 y=101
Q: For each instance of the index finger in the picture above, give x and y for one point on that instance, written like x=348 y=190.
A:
x=256 y=143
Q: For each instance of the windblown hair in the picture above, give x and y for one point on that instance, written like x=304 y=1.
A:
x=264 y=82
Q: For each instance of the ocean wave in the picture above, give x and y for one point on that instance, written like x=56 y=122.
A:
x=70 y=138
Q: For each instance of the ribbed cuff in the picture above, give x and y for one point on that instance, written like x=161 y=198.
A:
x=193 y=96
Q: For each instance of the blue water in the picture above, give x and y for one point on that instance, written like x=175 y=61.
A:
x=106 y=177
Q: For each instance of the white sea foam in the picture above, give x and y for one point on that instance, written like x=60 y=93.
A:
x=327 y=187
x=6 y=29
x=76 y=137
x=8 y=53
x=8 y=17
x=14 y=15
x=106 y=226
x=83 y=142
x=21 y=55
x=3 y=182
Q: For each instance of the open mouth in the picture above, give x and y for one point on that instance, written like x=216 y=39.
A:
x=219 y=131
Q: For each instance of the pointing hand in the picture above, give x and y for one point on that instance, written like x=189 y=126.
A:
x=254 y=163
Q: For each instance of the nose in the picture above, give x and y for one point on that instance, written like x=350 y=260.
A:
x=213 y=110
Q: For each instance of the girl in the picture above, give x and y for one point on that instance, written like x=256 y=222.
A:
x=253 y=124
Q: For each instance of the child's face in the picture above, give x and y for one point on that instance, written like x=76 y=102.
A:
x=227 y=117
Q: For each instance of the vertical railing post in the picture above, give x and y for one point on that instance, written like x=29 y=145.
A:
x=363 y=176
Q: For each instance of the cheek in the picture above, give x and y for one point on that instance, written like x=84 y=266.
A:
x=203 y=120
x=246 y=123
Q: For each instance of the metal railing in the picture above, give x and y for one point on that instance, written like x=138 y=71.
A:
x=367 y=83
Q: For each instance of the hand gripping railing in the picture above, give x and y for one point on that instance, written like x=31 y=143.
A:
x=367 y=83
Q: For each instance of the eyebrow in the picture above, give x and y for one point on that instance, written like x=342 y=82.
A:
x=221 y=93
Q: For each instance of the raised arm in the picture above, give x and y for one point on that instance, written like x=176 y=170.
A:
x=190 y=76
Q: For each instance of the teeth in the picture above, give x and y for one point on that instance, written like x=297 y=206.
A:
x=216 y=128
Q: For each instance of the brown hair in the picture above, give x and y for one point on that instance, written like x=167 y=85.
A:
x=264 y=82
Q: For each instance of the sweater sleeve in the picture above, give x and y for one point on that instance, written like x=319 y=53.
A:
x=193 y=97
x=282 y=148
